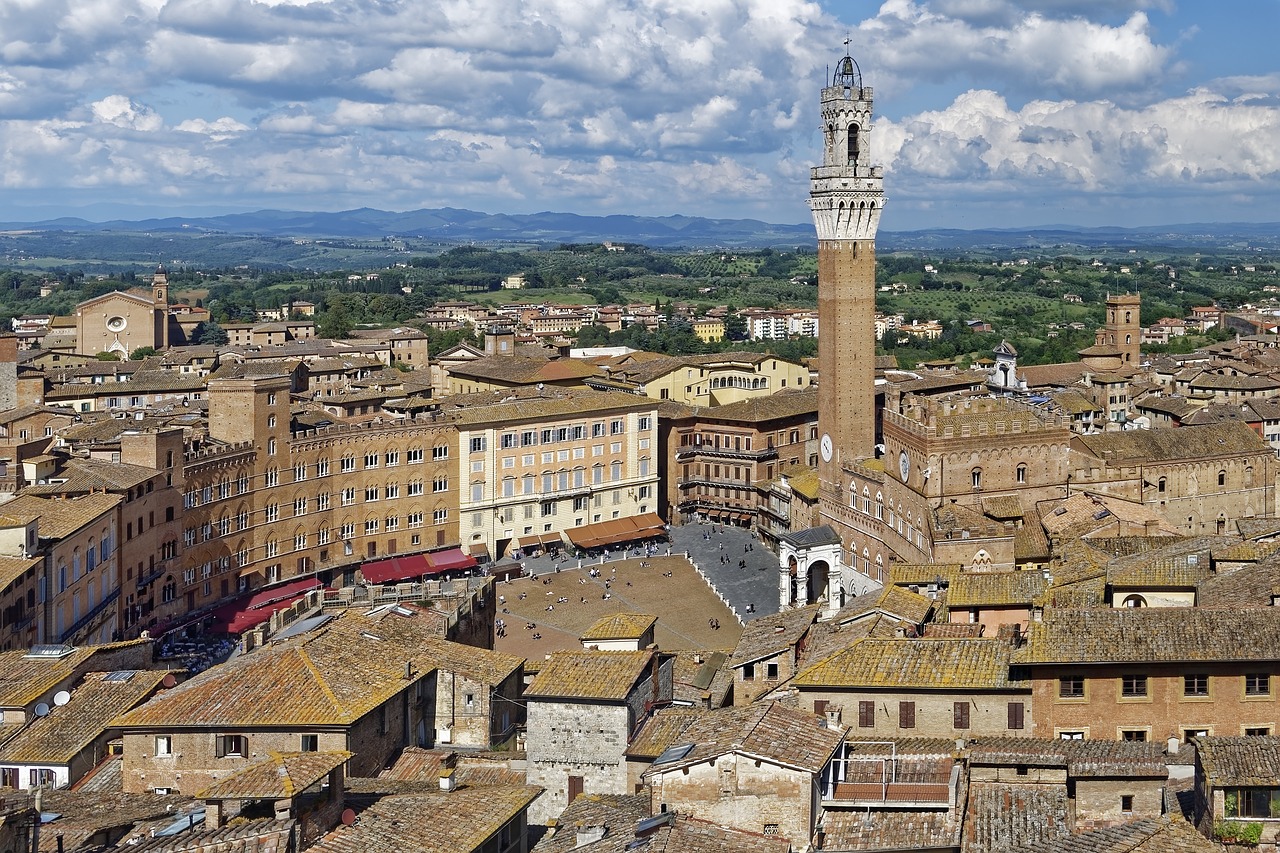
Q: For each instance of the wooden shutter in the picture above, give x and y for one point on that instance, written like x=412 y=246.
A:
x=866 y=714
x=220 y=746
x=960 y=714
x=575 y=787
x=1015 y=715
x=906 y=715
x=820 y=707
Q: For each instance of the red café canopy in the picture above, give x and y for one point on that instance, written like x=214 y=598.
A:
x=416 y=566
x=242 y=614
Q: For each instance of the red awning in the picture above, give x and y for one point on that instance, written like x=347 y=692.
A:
x=396 y=569
x=240 y=615
x=453 y=558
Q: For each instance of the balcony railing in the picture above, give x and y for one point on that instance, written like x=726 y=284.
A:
x=90 y=616
x=690 y=451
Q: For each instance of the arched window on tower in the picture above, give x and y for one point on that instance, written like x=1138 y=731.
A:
x=853 y=144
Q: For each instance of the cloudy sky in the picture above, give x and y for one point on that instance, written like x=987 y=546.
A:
x=989 y=112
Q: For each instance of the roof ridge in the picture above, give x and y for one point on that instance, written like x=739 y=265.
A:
x=322 y=683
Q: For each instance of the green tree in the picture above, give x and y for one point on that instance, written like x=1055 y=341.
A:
x=141 y=353
x=209 y=333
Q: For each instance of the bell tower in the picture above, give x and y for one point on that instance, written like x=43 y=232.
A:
x=846 y=195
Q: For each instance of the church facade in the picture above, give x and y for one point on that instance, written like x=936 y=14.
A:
x=121 y=322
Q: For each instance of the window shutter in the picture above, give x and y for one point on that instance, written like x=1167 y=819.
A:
x=220 y=746
x=866 y=714
x=1015 y=715
x=575 y=787
x=960 y=712
x=820 y=707
x=906 y=715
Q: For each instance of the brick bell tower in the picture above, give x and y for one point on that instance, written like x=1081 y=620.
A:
x=846 y=195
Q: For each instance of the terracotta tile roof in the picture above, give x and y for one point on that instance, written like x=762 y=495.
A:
x=1176 y=567
x=395 y=824
x=995 y=589
x=619 y=626
x=263 y=835
x=1072 y=402
x=617 y=813
x=12 y=568
x=904 y=604
x=332 y=676
x=551 y=403
x=981 y=664
x=661 y=730
x=1148 y=835
x=1076 y=594
x=68 y=729
x=952 y=631
x=1002 y=507
x=805 y=483
x=784 y=403
x=1168 y=445
x=1245 y=552
x=1175 y=406
x=764 y=730
x=1249 y=586
x=899 y=830
x=23 y=680
x=61 y=518
x=1003 y=818
x=1251 y=761
x=87 y=814
x=279 y=776
x=766 y=636
x=483 y=665
x=473 y=770
x=1030 y=541
x=1258 y=528
x=922 y=574
x=1082 y=758
x=691 y=835
x=603 y=676
x=92 y=475
x=1140 y=635
x=521 y=369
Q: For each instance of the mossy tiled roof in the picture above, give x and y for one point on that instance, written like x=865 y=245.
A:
x=924 y=664
x=280 y=775
x=1153 y=635
x=602 y=676
x=1146 y=835
x=1244 y=761
x=996 y=589
x=619 y=626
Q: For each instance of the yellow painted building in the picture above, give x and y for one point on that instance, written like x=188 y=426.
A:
x=708 y=330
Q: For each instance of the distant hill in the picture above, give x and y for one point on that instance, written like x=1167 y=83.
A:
x=332 y=240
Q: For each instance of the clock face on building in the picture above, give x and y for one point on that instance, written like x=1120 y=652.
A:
x=904 y=465
x=826 y=447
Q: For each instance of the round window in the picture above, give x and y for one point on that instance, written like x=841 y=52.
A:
x=117 y=324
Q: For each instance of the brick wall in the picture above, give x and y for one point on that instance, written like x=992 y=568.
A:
x=1103 y=713
x=741 y=792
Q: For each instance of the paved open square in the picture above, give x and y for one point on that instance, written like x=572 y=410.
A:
x=550 y=610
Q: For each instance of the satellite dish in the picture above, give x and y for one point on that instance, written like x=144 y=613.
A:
x=42 y=709
x=348 y=817
x=61 y=698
